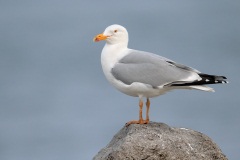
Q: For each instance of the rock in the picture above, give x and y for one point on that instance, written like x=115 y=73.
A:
x=158 y=141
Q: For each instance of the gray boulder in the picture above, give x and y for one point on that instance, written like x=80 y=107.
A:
x=158 y=141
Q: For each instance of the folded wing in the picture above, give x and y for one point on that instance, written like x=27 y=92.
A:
x=153 y=70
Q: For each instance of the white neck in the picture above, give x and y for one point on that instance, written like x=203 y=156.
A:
x=111 y=53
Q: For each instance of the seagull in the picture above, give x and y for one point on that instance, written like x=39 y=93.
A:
x=146 y=75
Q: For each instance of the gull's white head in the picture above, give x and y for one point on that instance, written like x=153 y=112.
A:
x=114 y=34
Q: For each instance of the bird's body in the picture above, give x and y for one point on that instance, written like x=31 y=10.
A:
x=109 y=59
x=142 y=74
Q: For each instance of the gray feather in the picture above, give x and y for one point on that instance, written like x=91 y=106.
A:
x=150 y=69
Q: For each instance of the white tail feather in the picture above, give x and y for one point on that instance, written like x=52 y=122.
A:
x=203 y=88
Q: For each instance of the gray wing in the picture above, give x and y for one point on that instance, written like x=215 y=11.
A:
x=150 y=69
x=140 y=56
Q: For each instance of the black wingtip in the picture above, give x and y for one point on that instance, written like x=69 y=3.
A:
x=206 y=79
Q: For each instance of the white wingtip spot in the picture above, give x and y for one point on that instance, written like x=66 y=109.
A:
x=216 y=81
x=207 y=80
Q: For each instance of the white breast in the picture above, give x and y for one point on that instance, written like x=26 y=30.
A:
x=111 y=54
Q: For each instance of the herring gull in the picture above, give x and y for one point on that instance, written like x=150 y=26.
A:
x=146 y=75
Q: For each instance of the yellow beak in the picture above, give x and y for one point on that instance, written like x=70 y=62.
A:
x=99 y=37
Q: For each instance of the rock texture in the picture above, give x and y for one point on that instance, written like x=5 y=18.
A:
x=158 y=141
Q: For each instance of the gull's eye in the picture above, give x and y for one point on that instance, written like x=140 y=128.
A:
x=115 y=31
